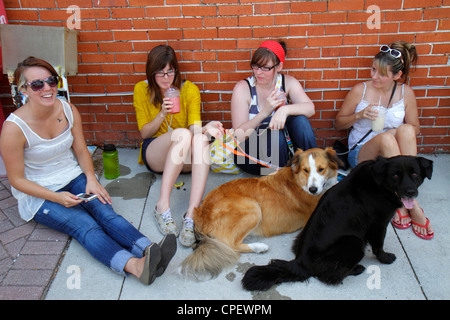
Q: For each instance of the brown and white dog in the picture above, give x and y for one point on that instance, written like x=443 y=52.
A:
x=265 y=206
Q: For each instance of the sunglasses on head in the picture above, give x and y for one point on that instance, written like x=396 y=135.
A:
x=38 y=85
x=393 y=52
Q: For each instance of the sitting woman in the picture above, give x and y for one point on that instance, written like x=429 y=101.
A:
x=48 y=165
x=259 y=103
x=173 y=142
x=401 y=126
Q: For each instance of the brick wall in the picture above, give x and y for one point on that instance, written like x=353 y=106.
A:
x=330 y=48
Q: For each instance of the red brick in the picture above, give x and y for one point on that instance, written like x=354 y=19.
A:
x=235 y=10
x=203 y=11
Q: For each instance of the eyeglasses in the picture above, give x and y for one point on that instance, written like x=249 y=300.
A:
x=393 y=52
x=161 y=74
x=38 y=85
x=256 y=67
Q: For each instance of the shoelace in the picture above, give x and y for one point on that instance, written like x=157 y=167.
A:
x=167 y=216
x=189 y=223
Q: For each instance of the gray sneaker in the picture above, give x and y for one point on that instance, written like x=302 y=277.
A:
x=187 y=236
x=165 y=222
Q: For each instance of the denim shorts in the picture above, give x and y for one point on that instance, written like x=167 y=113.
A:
x=353 y=156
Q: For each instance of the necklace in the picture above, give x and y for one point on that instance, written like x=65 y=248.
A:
x=169 y=128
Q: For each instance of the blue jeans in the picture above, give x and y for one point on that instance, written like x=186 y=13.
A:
x=301 y=134
x=107 y=236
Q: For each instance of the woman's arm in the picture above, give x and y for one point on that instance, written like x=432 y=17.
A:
x=301 y=104
x=411 y=113
x=240 y=103
x=146 y=125
x=85 y=160
x=346 y=116
x=12 y=144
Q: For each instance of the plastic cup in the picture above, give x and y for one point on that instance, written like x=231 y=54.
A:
x=176 y=104
x=378 y=123
x=282 y=96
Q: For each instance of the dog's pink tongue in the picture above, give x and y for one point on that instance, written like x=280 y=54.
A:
x=408 y=203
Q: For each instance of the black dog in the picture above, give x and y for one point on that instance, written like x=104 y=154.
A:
x=351 y=214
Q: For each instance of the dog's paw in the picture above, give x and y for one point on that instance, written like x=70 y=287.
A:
x=386 y=258
x=258 y=247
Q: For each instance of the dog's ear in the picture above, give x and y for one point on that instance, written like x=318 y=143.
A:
x=377 y=169
x=295 y=161
x=333 y=158
x=426 y=166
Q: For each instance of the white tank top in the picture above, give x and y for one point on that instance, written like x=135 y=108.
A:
x=50 y=163
x=395 y=117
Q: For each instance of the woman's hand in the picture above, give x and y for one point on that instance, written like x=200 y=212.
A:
x=214 y=129
x=273 y=101
x=166 y=107
x=67 y=199
x=367 y=113
x=278 y=119
x=94 y=187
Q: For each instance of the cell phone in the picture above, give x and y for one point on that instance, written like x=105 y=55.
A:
x=86 y=196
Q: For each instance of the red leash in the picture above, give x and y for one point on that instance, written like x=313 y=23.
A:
x=243 y=154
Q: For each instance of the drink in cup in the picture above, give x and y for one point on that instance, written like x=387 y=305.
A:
x=378 y=123
x=174 y=95
x=282 y=95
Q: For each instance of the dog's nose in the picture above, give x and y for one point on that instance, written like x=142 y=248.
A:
x=313 y=190
x=411 y=193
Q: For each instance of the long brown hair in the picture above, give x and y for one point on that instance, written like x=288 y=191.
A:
x=19 y=78
x=409 y=58
x=157 y=60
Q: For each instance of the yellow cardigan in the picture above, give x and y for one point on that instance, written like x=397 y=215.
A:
x=147 y=111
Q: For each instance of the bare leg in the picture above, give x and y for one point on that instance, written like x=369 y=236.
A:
x=135 y=266
x=200 y=171
x=168 y=154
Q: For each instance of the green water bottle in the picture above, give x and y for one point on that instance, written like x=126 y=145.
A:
x=110 y=155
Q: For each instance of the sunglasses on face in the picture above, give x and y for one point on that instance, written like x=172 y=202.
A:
x=393 y=52
x=38 y=85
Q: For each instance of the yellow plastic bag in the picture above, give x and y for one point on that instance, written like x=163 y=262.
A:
x=221 y=154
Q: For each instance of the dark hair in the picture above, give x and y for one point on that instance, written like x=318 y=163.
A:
x=409 y=58
x=19 y=78
x=157 y=60
x=263 y=55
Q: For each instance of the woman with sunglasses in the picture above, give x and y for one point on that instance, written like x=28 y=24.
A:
x=48 y=165
x=173 y=142
x=391 y=65
x=260 y=109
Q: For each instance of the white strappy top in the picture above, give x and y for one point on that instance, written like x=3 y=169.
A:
x=50 y=163
x=395 y=117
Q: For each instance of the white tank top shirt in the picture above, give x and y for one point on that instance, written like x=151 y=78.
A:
x=395 y=117
x=50 y=163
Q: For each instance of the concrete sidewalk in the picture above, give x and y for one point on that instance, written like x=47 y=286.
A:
x=418 y=273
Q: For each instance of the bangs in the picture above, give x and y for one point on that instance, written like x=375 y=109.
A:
x=382 y=64
x=263 y=57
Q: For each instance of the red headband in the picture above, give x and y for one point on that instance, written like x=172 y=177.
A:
x=275 y=47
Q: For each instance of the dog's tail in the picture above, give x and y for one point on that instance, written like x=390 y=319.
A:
x=208 y=260
x=277 y=271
